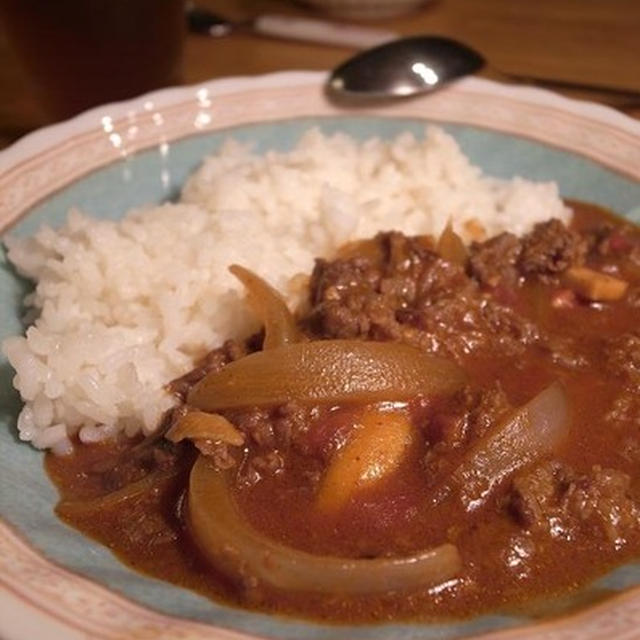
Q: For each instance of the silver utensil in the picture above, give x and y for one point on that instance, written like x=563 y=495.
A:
x=405 y=67
x=419 y=64
x=205 y=22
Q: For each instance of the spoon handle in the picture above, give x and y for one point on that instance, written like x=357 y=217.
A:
x=321 y=31
x=558 y=83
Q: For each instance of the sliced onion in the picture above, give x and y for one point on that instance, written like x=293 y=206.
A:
x=199 y=425
x=328 y=371
x=279 y=324
x=236 y=549
x=531 y=432
x=116 y=499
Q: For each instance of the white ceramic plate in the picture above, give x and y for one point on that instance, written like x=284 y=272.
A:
x=55 y=583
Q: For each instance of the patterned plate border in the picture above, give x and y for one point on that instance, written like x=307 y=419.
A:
x=54 y=157
x=40 y=599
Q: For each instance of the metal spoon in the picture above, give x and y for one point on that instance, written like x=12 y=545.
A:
x=404 y=67
x=420 y=64
x=201 y=20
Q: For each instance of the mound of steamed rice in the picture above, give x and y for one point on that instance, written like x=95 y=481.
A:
x=124 y=307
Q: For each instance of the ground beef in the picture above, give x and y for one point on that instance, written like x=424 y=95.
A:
x=256 y=424
x=417 y=276
x=269 y=463
x=454 y=423
x=535 y=494
x=486 y=409
x=625 y=410
x=412 y=295
x=278 y=427
x=623 y=356
x=552 y=498
x=602 y=499
x=470 y=324
x=255 y=468
x=215 y=360
x=347 y=301
x=494 y=262
x=291 y=422
x=446 y=426
x=268 y=433
x=365 y=298
x=612 y=241
x=630 y=449
x=467 y=415
x=219 y=452
x=599 y=237
x=565 y=352
x=550 y=249
x=146 y=527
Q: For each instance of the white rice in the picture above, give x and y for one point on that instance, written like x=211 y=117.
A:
x=124 y=307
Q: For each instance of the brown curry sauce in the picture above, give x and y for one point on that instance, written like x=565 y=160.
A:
x=513 y=557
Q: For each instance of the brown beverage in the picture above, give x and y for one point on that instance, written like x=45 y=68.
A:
x=81 y=53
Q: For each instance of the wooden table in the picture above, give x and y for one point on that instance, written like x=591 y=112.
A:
x=581 y=42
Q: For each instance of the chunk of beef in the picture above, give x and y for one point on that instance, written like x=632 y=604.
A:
x=256 y=424
x=552 y=498
x=625 y=409
x=270 y=463
x=363 y=298
x=550 y=249
x=465 y=324
x=602 y=500
x=255 y=468
x=630 y=449
x=487 y=408
x=457 y=421
x=345 y=298
x=213 y=361
x=269 y=432
x=565 y=351
x=279 y=427
x=410 y=294
x=623 y=356
x=446 y=426
x=536 y=494
x=291 y=423
x=494 y=261
x=218 y=452
x=415 y=275
x=609 y=240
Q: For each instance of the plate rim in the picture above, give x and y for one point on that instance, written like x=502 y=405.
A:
x=607 y=137
x=49 y=135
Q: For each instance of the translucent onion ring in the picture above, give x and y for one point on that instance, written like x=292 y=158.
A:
x=279 y=324
x=531 y=432
x=239 y=551
x=200 y=425
x=327 y=371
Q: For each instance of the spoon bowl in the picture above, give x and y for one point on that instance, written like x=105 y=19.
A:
x=404 y=67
